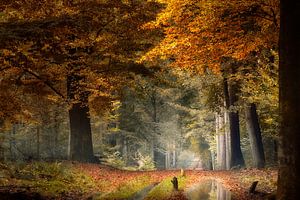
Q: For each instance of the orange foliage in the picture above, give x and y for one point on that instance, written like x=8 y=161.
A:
x=43 y=42
x=199 y=33
x=232 y=180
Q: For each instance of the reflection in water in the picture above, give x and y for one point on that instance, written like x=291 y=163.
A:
x=208 y=190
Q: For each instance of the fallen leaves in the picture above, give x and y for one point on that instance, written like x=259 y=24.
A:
x=104 y=180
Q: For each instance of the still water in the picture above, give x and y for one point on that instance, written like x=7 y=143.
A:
x=208 y=190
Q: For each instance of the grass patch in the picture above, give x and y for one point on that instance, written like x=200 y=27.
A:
x=165 y=188
x=50 y=179
x=129 y=189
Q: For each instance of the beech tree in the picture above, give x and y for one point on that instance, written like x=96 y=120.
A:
x=200 y=34
x=255 y=137
x=231 y=91
x=90 y=46
x=289 y=98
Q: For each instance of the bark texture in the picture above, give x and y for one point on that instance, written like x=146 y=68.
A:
x=289 y=97
x=254 y=132
x=81 y=146
x=221 y=142
x=230 y=92
x=227 y=139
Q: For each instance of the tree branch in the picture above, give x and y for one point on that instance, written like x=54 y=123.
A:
x=5 y=68
x=103 y=27
x=46 y=82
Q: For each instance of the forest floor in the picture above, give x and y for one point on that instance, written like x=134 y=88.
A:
x=68 y=180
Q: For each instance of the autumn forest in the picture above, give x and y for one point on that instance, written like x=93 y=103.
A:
x=149 y=99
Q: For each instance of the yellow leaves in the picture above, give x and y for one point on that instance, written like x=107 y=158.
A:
x=45 y=47
x=53 y=98
x=25 y=47
x=150 y=25
x=6 y=52
x=199 y=32
x=194 y=29
x=106 y=40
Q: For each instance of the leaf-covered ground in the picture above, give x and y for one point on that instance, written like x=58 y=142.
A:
x=92 y=181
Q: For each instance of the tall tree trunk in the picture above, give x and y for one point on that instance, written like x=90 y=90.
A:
x=81 y=146
x=210 y=161
x=125 y=150
x=152 y=148
x=289 y=98
x=221 y=143
x=218 y=140
x=230 y=92
x=223 y=151
x=213 y=160
x=174 y=155
x=275 y=156
x=227 y=140
x=254 y=132
x=55 y=132
x=153 y=100
x=167 y=161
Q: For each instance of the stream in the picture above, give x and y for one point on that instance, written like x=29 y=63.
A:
x=208 y=190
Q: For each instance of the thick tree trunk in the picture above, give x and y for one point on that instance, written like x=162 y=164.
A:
x=230 y=92
x=223 y=151
x=275 y=156
x=254 y=132
x=81 y=146
x=289 y=98
x=237 y=158
x=221 y=143
x=227 y=140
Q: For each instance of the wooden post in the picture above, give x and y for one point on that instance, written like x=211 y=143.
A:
x=253 y=186
x=182 y=174
x=175 y=183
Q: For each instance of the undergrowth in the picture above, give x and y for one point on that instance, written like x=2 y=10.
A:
x=164 y=189
x=128 y=189
x=49 y=179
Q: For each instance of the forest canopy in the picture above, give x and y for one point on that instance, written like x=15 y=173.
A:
x=142 y=84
